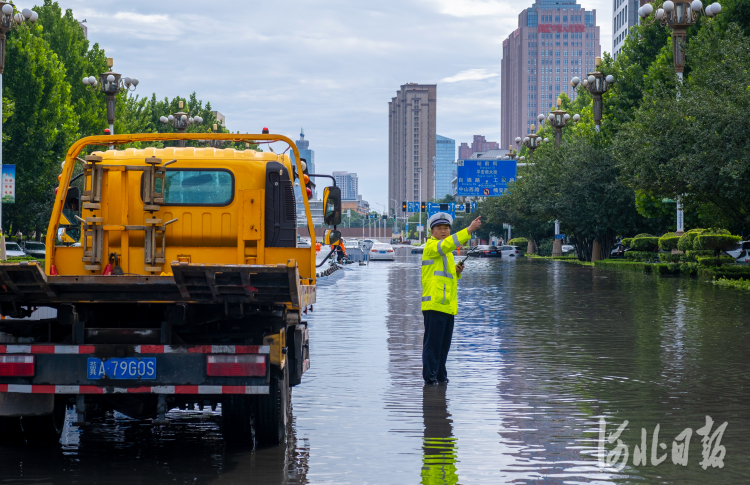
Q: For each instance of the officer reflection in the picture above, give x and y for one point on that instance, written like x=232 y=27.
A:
x=438 y=444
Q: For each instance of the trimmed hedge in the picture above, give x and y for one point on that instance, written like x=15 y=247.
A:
x=519 y=241
x=715 y=242
x=686 y=240
x=712 y=261
x=641 y=255
x=668 y=241
x=692 y=255
x=670 y=258
x=732 y=272
x=645 y=243
x=626 y=241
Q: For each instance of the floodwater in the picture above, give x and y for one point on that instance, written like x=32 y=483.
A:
x=542 y=351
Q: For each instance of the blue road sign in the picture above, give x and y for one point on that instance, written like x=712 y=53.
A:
x=461 y=208
x=485 y=178
x=435 y=207
x=412 y=207
x=473 y=206
x=559 y=236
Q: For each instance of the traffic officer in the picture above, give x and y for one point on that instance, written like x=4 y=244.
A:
x=440 y=276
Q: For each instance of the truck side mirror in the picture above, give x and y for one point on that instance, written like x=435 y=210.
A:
x=332 y=237
x=332 y=206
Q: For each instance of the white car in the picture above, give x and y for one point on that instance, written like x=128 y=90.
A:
x=509 y=251
x=382 y=251
x=351 y=243
x=741 y=252
x=566 y=248
x=303 y=242
x=13 y=249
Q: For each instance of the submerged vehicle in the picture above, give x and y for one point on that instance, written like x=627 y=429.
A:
x=187 y=288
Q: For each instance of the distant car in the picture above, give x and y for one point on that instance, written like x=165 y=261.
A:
x=34 y=249
x=509 y=251
x=486 y=252
x=618 y=251
x=13 y=249
x=741 y=252
x=303 y=242
x=566 y=248
x=418 y=249
x=382 y=251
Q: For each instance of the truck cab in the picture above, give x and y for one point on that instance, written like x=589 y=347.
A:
x=177 y=280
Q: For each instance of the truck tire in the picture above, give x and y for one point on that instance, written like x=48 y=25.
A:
x=10 y=429
x=237 y=420
x=45 y=430
x=272 y=410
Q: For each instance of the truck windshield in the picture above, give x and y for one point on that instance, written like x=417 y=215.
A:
x=198 y=187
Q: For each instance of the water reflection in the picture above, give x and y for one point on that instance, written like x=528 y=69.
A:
x=439 y=444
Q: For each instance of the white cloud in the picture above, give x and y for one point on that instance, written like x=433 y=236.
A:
x=472 y=8
x=470 y=75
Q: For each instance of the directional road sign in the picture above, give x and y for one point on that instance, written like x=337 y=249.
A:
x=485 y=178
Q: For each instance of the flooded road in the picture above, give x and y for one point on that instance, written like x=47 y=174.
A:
x=542 y=351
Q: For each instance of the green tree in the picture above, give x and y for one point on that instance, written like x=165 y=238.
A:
x=66 y=39
x=41 y=130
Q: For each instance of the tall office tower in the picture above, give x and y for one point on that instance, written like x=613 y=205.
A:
x=348 y=183
x=445 y=157
x=624 y=16
x=555 y=41
x=479 y=144
x=411 y=143
x=306 y=154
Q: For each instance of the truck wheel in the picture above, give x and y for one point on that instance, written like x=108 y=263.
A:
x=45 y=430
x=237 y=420
x=10 y=429
x=272 y=410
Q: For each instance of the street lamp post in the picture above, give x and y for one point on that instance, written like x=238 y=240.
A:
x=532 y=141
x=679 y=15
x=8 y=20
x=558 y=119
x=181 y=121
x=111 y=84
x=598 y=84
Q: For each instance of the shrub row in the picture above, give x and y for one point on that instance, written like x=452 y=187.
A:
x=740 y=284
x=520 y=242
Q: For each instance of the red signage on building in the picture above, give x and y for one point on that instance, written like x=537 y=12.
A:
x=562 y=28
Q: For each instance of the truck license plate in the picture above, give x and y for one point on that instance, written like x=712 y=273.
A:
x=121 y=368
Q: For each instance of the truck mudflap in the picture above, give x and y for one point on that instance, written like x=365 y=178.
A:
x=180 y=369
x=25 y=283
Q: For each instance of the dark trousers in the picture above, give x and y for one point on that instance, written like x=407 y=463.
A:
x=438 y=331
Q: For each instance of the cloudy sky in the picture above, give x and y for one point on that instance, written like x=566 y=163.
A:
x=328 y=66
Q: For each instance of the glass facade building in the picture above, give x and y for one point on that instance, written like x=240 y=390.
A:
x=444 y=166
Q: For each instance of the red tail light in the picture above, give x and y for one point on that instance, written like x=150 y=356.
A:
x=17 y=365
x=235 y=365
x=390 y=251
x=374 y=251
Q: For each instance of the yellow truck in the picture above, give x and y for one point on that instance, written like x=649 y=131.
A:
x=187 y=288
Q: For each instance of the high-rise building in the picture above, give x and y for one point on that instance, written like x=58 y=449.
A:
x=303 y=146
x=555 y=41
x=479 y=144
x=348 y=183
x=624 y=17
x=411 y=143
x=445 y=158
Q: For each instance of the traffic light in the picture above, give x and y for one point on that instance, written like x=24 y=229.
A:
x=423 y=207
x=385 y=217
x=403 y=206
x=468 y=207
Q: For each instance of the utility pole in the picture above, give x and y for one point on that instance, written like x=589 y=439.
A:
x=419 y=170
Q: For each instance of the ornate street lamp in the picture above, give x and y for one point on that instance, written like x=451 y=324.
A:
x=111 y=84
x=597 y=84
x=558 y=119
x=9 y=18
x=532 y=141
x=180 y=121
x=679 y=15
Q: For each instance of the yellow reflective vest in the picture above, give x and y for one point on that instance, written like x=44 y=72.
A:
x=439 y=278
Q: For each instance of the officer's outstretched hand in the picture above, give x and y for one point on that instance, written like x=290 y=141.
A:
x=475 y=224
